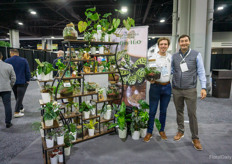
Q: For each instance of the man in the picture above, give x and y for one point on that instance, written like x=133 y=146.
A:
x=22 y=71
x=7 y=80
x=60 y=55
x=187 y=64
x=160 y=90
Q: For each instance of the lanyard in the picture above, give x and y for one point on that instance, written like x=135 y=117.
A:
x=183 y=59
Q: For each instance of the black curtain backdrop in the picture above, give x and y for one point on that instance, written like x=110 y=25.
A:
x=221 y=61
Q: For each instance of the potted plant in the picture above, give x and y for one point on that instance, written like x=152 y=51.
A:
x=134 y=126
x=100 y=94
x=51 y=112
x=53 y=159
x=61 y=67
x=69 y=108
x=60 y=157
x=68 y=138
x=86 y=67
x=91 y=86
x=152 y=74
x=66 y=91
x=106 y=110
x=76 y=87
x=144 y=117
x=46 y=93
x=69 y=32
x=50 y=139
x=76 y=106
x=85 y=108
x=73 y=130
x=45 y=69
x=59 y=132
x=36 y=126
x=121 y=121
x=91 y=127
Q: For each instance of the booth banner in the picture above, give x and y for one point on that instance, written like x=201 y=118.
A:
x=131 y=58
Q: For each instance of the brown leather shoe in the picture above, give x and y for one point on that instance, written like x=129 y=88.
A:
x=178 y=136
x=197 y=144
x=163 y=136
x=147 y=137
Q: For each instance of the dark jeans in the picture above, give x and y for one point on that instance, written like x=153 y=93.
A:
x=19 y=92
x=6 y=99
x=158 y=93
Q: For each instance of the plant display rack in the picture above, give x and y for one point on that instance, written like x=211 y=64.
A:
x=74 y=116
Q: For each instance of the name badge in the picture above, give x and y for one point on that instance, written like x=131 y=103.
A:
x=183 y=67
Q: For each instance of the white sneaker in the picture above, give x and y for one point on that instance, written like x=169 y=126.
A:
x=17 y=115
x=22 y=110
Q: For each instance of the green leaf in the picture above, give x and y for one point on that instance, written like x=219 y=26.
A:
x=141 y=61
x=124 y=72
x=116 y=23
x=140 y=80
x=106 y=15
x=132 y=80
x=157 y=124
x=94 y=17
x=141 y=72
x=127 y=58
x=82 y=26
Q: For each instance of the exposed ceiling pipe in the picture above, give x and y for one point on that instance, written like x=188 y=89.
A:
x=174 y=26
x=147 y=10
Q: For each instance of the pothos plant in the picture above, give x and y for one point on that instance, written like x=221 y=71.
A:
x=132 y=73
x=44 y=67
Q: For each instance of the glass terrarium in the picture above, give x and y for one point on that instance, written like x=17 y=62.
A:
x=69 y=32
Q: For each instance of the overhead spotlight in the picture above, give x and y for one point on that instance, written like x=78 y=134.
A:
x=33 y=12
x=149 y=39
x=20 y=23
x=162 y=20
x=124 y=9
x=8 y=33
x=220 y=8
x=153 y=37
x=52 y=37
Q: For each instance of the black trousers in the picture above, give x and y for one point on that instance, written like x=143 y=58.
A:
x=19 y=92
x=6 y=99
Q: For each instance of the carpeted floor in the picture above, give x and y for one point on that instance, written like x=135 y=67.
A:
x=20 y=144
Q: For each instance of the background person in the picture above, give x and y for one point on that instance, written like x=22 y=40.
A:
x=23 y=75
x=7 y=80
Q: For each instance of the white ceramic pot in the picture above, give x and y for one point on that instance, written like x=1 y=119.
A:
x=60 y=157
x=48 y=122
x=106 y=38
x=107 y=115
x=136 y=135
x=46 y=97
x=93 y=111
x=41 y=132
x=143 y=132
x=101 y=50
x=93 y=50
x=45 y=77
x=60 y=140
x=91 y=132
x=49 y=142
x=122 y=133
x=54 y=160
x=86 y=114
x=95 y=37
x=51 y=75
x=75 y=136
x=67 y=151
x=38 y=76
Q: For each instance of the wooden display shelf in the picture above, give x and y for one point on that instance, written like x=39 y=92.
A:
x=54 y=147
x=78 y=95
x=91 y=117
x=106 y=100
x=76 y=60
x=87 y=42
x=97 y=73
x=103 y=120
x=88 y=137
x=109 y=54
x=72 y=115
x=69 y=78
x=55 y=125
x=42 y=81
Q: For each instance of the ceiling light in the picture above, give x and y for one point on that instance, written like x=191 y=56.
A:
x=20 y=23
x=124 y=9
x=220 y=8
x=153 y=37
x=33 y=12
x=52 y=37
x=8 y=33
x=162 y=20
x=149 y=39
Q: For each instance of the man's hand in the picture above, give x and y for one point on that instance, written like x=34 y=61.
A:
x=152 y=82
x=203 y=94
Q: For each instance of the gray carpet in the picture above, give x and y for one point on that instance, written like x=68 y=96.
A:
x=20 y=144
